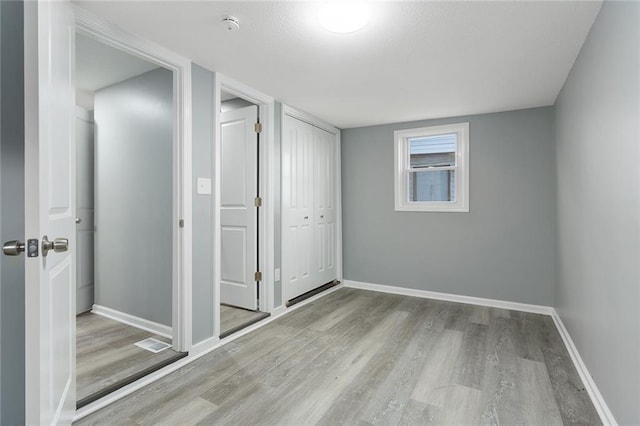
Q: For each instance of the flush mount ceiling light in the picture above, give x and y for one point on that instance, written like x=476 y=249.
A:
x=344 y=16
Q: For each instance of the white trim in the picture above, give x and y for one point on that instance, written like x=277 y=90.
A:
x=266 y=108
x=339 y=205
x=493 y=303
x=199 y=350
x=401 y=170
x=97 y=28
x=133 y=321
x=606 y=416
x=308 y=118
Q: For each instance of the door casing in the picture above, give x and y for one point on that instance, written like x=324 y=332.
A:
x=310 y=119
x=266 y=105
x=111 y=35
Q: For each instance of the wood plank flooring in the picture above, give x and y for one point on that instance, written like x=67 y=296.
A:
x=106 y=354
x=356 y=357
x=232 y=318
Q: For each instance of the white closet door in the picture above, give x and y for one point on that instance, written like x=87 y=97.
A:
x=297 y=207
x=324 y=207
x=238 y=213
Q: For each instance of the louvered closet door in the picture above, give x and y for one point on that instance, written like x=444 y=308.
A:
x=297 y=207
x=324 y=253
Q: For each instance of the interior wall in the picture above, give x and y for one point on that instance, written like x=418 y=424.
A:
x=85 y=157
x=12 y=297
x=202 y=81
x=598 y=153
x=133 y=198
x=502 y=249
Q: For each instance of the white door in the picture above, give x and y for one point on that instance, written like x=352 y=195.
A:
x=324 y=207
x=297 y=207
x=84 y=210
x=238 y=212
x=49 y=211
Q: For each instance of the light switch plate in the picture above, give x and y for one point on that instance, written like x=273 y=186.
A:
x=204 y=186
x=277 y=275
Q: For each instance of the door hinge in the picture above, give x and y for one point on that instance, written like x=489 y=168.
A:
x=258 y=127
x=181 y=223
x=257 y=276
x=258 y=201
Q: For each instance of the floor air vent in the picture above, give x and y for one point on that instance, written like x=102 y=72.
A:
x=153 y=345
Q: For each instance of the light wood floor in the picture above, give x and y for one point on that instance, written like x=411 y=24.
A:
x=106 y=354
x=232 y=318
x=356 y=357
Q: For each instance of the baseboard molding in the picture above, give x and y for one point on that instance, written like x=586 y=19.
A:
x=596 y=397
x=493 y=303
x=141 y=323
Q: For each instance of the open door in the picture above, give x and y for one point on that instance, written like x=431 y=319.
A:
x=238 y=210
x=50 y=212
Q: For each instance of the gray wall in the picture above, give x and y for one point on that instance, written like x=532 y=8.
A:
x=202 y=81
x=133 y=199
x=502 y=249
x=598 y=245
x=12 y=217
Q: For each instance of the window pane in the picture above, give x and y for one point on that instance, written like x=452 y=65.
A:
x=432 y=185
x=432 y=151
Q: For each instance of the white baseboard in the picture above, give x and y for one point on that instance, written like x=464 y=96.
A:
x=596 y=397
x=141 y=323
x=516 y=306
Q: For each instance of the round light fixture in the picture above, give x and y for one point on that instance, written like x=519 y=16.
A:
x=344 y=16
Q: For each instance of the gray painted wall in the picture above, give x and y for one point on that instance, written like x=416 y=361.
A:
x=12 y=218
x=598 y=152
x=133 y=199
x=202 y=81
x=502 y=249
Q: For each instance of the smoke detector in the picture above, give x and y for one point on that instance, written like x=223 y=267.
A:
x=231 y=23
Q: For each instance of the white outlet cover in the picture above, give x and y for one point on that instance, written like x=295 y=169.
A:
x=204 y=186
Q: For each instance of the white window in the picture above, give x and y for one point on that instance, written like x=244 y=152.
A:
x=432 y=169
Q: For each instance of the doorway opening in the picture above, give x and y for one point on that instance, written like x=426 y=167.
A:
x=240 y=203
x=125 y=233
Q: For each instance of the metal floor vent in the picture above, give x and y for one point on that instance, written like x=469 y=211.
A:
x=153 y=345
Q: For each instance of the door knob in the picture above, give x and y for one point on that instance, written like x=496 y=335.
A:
x=58 y=245
x=13 y=248
x=78 y=220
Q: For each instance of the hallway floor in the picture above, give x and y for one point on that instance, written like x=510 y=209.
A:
x=106 y=353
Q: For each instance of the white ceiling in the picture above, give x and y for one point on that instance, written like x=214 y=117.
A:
x=414 y=60
x=99 y=65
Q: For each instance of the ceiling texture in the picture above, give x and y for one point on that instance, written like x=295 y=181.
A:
x=415 y=60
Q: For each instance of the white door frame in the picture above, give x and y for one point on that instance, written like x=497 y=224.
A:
x=310 y=119
x=95 y=27
x=266 y=106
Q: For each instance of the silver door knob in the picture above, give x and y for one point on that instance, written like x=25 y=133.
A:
x=13 y=248
x=58 y=245
x=78 y=220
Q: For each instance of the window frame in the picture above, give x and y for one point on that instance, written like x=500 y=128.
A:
x=402 y=169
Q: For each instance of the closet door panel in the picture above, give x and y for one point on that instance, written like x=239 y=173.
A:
x=297 y=206
x=325 y=210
